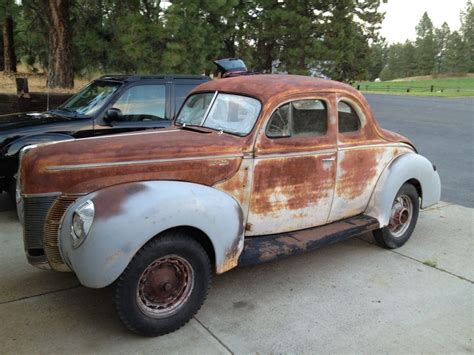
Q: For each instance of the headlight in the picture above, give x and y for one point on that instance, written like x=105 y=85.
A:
x=81 y=222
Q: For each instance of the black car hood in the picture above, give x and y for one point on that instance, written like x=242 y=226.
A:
x=30 y=119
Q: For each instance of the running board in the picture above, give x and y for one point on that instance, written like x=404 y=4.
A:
x=262 y=249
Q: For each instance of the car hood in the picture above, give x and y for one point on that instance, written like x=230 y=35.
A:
x=29 y=119
x=86 y=165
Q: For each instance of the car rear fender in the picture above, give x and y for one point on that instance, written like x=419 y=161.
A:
x=410 y=166
x=127 y=216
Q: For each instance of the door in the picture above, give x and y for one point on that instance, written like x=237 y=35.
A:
x=294 y=168
x=142 y=106
x=362 y=155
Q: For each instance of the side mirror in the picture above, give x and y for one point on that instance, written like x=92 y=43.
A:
x=113 y=115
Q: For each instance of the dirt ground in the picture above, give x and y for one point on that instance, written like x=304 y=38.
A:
x=37 y=83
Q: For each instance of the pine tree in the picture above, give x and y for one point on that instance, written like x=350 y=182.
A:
x=442 y=36
x=352 y=25
x=378 y=54
x=425 y=46
x=467 y=31
x=61 y=72
x=408 y=62
x=9 y=58
x=457 y=54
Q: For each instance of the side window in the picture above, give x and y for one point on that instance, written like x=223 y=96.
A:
x=309 y=117
x=299 y=118
x=348 y=119
x=143 y=103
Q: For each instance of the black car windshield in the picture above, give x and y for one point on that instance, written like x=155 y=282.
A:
x=92 y=98
x=224 y=112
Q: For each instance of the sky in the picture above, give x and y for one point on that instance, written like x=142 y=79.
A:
x=402 y=16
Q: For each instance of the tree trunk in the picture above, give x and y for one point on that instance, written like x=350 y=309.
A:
x=61 y=73
x=9 y=57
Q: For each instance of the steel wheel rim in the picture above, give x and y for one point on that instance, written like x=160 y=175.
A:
x=165 y=286
x=401 y=215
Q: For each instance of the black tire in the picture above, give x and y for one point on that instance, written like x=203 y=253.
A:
x=388 y=237
x=168 y=259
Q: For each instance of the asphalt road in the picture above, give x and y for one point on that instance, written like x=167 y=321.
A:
x=442 y=129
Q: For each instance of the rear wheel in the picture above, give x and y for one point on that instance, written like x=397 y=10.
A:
x=164 y=285
x=403 y=218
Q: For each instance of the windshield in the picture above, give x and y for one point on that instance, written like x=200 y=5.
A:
x=225 y=112
x=92 y=98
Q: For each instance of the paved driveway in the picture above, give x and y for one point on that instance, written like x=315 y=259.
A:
x=349 y=297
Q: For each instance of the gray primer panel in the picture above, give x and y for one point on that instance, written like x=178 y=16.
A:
x=149 y=208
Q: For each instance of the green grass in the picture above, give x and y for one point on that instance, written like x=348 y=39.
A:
x=431 y=263
x=446 y=86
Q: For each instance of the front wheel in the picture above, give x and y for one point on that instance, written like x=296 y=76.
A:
x=403 y=219
x=164 y=285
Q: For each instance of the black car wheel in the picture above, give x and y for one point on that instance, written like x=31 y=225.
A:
x=164 y=285
x=403 y=219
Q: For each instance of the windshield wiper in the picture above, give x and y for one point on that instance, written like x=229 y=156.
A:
x=69 y=111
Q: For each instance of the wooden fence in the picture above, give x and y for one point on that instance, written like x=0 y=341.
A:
x=11 y=103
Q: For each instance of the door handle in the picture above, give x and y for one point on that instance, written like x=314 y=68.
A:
x=329 y=159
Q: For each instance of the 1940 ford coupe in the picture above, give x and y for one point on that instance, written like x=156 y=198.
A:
x=254 y=168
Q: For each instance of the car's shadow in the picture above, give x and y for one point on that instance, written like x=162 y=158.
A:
x=6 y=204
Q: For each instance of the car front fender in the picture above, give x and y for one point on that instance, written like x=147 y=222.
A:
x=14 y=147
x=129 y=215
x=410 y=166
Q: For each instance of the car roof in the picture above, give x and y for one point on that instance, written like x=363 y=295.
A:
x=125 y=77
x=265 y=86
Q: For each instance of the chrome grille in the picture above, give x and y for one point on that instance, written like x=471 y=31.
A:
x=35 y=211
x=51 y=230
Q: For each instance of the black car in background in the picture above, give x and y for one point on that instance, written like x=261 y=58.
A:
x=108 y=105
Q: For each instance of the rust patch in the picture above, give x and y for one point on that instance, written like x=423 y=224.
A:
x=87 y=180
x=358 y=174
x=201 y=161
x=237 y=185
x=289 y=184
x=266 y=87
x=267 y=248
x=392 y=136
x=109 y=202
x=357 y=169
x=232 y=254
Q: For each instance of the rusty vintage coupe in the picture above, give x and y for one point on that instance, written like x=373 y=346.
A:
x=253 y=168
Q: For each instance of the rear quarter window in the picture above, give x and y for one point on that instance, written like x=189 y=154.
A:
x=349 y=121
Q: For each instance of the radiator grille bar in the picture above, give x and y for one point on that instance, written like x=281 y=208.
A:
x=51 y=230
x=35 y=211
